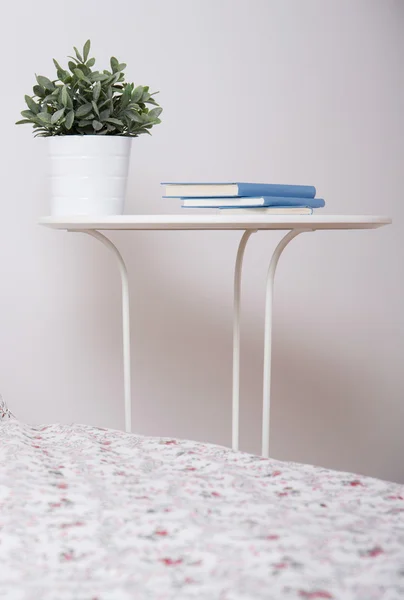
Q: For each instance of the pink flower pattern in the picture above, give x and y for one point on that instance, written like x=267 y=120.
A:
x=93 y=514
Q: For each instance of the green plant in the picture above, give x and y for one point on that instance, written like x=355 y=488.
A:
x=86 y=102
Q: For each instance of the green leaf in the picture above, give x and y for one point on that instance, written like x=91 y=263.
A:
x=151 y=101
x=142 y=130
x=107 y=82
x=90 y=63
x=57 y=65
x=104 y=114
x=114 y=121
x=155 y=113
x=124 y=102
x=80 y=75
x=57 y=115
x=69 y=103
x=28 y=114
x=71 y=66
x=99 y=77
x=121 y=66
x=95 y=107
x=137 y=93
x=64 y=96
x=45 y=82
x=63 y=76
x=32 y=105
x=39 y=91
x=84 y=109
x=85 y=69
x=114 y=64
x=86 y=50
x=96 y=91
x=85 y=122
x=79 y=57
x=69 y=119
x=97 y=125
x=44 y=117
x=133 y=116
x=125 y=97
x=22 y=121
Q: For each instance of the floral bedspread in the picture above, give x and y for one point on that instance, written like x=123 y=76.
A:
x=92 y=514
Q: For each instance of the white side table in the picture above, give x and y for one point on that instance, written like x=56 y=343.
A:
x=249 y=224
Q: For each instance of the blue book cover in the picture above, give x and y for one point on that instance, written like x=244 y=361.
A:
x=248 y=202
x=197 y=190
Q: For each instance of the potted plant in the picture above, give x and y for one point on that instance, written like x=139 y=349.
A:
x=90 y=118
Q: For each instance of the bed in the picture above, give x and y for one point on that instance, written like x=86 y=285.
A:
x=98 y=514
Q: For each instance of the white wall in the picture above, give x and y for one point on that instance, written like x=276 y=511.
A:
x=284 y=91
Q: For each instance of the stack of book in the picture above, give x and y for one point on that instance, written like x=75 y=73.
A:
x=240 y=198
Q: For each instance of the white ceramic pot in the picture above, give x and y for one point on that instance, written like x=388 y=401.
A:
x=88 y=174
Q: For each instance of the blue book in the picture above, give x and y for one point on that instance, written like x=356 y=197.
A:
x=225 y=190
x=254 y=201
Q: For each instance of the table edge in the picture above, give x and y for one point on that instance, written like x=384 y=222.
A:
x=175 y=222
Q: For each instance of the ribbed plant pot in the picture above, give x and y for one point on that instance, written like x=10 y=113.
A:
x=88 y=174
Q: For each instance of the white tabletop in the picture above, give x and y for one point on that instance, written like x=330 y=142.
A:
x=215 y=221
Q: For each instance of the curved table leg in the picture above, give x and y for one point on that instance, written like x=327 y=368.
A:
x=266 y=404
x=236 y=332
x=236 y=340
x=125 y=322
